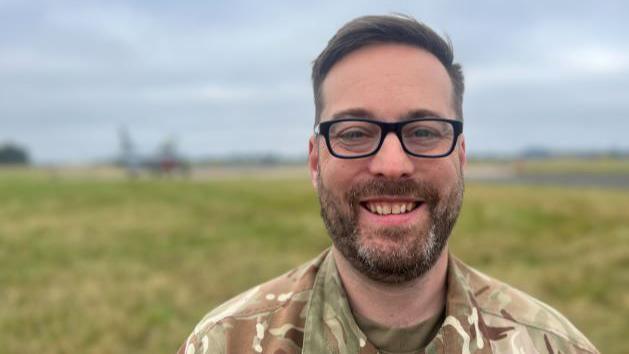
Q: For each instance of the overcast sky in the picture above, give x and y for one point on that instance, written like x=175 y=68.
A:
x=233 y=76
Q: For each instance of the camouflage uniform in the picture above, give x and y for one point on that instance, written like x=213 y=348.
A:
x=306 y=310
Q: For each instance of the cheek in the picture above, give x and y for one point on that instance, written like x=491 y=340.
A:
x=444 y=175
x=338 y=174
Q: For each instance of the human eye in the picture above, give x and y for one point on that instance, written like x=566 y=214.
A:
x=352 y=137
x=427 y=133
x=423 y=132
x=353 y=132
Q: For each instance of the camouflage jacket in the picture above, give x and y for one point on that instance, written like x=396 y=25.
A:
x=306 y=311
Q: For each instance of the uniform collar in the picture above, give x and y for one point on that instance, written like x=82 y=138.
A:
x=463 y=329
x=330 y=326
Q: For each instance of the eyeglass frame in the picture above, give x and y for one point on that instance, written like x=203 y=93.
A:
x=323 y=128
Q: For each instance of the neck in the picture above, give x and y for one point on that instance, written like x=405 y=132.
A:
x=395 y=305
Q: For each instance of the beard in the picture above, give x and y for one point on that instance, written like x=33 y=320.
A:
x=411 y=250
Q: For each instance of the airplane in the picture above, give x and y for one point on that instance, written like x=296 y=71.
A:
x=165 y=162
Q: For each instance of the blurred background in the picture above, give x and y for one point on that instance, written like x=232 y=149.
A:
x=152 y=159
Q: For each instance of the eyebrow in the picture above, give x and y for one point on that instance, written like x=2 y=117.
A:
x=363 y=113
x=422 y=113
x=353 y=113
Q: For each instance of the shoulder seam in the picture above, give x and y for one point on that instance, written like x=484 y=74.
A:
x=573 y=341
x=265 y=310
x=214 y=320
x=585 y=345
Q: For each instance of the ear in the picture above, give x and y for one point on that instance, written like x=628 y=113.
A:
x=313 y=160
x=462 y=154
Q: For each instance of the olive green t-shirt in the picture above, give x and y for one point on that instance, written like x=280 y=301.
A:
x=404 y=340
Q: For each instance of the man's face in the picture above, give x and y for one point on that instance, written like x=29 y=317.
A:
x=388 y=82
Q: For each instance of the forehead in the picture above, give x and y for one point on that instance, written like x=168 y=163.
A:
x=388 y=80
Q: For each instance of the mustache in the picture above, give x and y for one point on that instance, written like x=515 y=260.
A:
x=415 y=189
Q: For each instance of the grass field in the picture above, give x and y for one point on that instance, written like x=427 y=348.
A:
x=115 y=266
x=574 y=165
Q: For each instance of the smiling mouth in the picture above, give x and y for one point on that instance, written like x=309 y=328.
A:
x=381 y=207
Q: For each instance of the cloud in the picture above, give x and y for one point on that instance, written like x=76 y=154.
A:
x=595 y=60
x=567 y=66
x=226 y=94
x=72 y=72
x=107 y=21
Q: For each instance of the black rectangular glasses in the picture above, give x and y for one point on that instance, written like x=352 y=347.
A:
x=352 y=138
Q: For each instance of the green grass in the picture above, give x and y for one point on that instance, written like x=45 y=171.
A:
x=106 y=266
x=573 y=165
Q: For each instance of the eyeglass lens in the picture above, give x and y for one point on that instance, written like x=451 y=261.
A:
x=426 y=137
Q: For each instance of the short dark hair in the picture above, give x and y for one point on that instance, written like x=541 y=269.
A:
x=368 y=30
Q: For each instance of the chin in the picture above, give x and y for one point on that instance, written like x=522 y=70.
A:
x=396 y=256
x=393 y=243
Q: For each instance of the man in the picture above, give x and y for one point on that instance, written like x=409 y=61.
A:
x=387 y=160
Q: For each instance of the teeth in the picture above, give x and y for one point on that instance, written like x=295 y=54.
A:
x=390 y=208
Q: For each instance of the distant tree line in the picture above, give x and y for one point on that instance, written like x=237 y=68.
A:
x=12 y=154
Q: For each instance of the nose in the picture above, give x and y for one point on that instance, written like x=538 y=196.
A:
x=391 y=161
